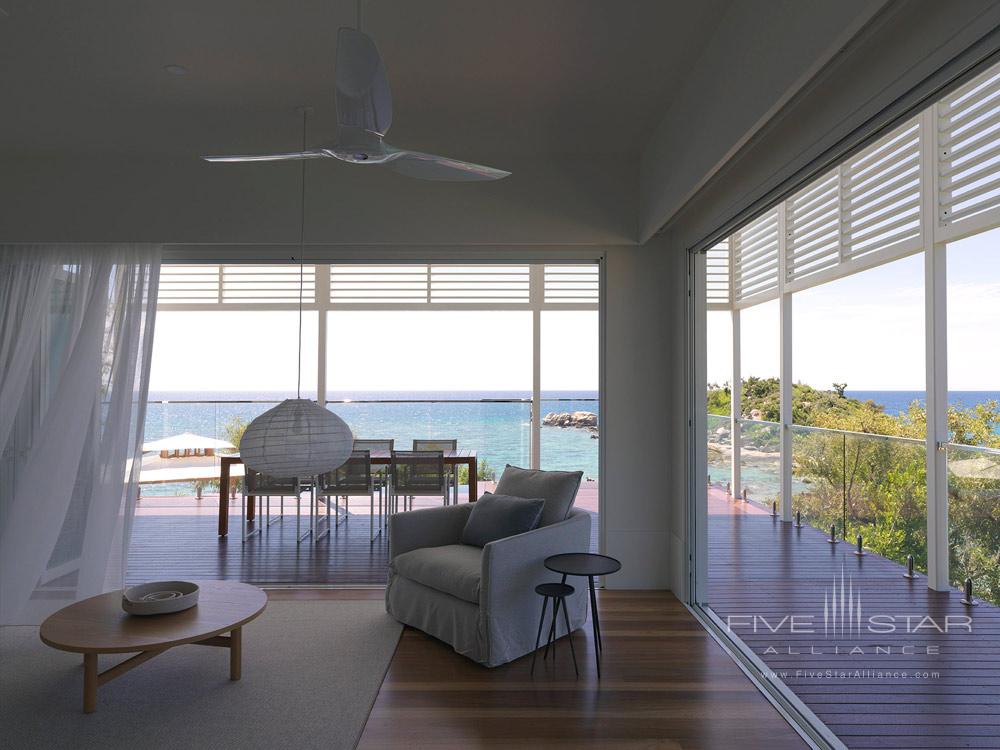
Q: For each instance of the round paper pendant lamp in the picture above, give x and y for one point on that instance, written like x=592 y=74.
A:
x=297 y=438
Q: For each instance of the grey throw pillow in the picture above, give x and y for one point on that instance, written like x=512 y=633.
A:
x=498 y=517
x=557 y=488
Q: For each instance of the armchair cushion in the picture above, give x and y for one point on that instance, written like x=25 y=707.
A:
x=427 y=527
x=454 y=569
x=558 y=488
x=499 y=516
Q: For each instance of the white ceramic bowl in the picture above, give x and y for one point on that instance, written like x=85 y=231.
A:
x=160 y=597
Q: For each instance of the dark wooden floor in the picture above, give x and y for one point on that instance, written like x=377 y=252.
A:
x=666 y=684
x=764 y=568
x=176 y=545
x=189 y=547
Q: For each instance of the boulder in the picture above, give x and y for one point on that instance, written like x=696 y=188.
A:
x=583 y=420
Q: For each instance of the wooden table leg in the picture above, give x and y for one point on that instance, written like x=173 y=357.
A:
x=224 y=498
x=236 y=654
x=89 y=683
x=473 y=480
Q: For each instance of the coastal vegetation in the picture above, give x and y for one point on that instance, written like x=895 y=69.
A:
x=864 y=472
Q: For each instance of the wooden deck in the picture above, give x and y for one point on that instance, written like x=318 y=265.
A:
x=916 y=689
x=176 y=537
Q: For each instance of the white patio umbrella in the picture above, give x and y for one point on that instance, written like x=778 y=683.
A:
x=183 y=458
x=187 y=441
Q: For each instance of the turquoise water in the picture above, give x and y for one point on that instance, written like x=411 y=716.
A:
x=499 y=431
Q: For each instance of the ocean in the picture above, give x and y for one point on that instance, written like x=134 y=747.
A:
x=897 y=402
x=484 y=420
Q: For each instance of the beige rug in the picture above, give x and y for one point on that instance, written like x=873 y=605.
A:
x=311 y=671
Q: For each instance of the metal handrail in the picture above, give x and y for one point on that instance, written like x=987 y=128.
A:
x=876 y=435
x=915 y=441
x=756 y=421
x=975 y=448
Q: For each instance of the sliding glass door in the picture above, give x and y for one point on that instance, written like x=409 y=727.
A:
x=499 y=361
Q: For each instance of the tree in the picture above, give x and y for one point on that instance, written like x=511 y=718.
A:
x=839 y=388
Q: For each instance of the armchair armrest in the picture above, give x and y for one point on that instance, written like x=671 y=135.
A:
x=512 y=567
x=427 y=527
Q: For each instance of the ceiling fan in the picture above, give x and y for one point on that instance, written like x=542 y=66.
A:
x=364 y=114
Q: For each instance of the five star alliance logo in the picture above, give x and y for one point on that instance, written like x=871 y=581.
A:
x=841 y=609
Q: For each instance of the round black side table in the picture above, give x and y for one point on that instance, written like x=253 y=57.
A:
x=586 y=564
x=558 y=593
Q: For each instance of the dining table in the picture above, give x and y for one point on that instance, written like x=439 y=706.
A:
x=452 y=458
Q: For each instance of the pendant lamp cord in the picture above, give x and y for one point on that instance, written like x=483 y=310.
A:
x=359 y=14
x=302 y=240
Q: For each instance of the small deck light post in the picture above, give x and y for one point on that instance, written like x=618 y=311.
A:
x=860 y=551
x=798 y=519
x=746 y=498
x=774 y=509
x=729 y=489
x=833 y=534
x=909 y=568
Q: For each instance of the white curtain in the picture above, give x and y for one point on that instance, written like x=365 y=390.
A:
x=75 y=341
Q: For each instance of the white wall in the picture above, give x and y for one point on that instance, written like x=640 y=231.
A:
x=643 y=434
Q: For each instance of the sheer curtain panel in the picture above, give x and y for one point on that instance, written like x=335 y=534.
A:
x=76 y=335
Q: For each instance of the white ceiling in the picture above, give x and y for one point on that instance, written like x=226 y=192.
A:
x=468 y=76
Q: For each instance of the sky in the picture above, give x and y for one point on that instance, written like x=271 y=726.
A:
x=373 y=351
x=867 y=330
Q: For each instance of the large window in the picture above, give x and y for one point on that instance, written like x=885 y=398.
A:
x=853 y=447
x=479 y=354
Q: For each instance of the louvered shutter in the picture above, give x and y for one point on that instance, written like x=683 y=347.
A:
x=717 y=276
x=571 y=284
x=235 y=284
x=969 y=155
x=755 y=260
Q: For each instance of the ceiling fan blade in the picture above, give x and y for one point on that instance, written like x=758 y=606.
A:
x=316 y=153
x=432 y=167
x=362 y=89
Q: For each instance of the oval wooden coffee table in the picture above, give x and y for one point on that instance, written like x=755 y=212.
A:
x=98 y=625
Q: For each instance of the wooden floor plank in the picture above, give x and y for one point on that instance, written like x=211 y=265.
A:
x=173 y=545
x=665 y=684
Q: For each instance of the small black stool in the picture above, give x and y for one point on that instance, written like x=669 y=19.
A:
x=558 y=592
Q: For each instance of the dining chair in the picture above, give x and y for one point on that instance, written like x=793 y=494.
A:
x=352 y=479
x=442 y=445
x=263 y=488
x=380 y=472
x=417 y=474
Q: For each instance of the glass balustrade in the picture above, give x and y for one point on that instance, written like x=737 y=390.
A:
x=498 y=430
x=974 y=518
x=874 y=486
x=868 y=485
x=760 y=461
x=720 y=452
x=570 y=435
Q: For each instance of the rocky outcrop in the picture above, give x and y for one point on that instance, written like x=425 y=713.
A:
x=582 y=420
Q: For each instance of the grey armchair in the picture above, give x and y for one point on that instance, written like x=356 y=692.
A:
x=482 y=601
